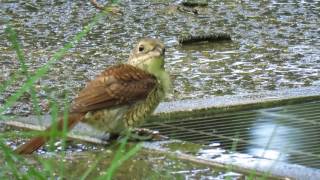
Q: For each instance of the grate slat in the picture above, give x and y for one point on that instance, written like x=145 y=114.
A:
x=298 y=125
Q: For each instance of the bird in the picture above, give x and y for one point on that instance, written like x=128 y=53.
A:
x=120 y=97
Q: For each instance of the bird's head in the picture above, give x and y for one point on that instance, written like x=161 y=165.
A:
x=148 y=55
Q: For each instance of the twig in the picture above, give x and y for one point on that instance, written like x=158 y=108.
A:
x=112 y=8
x=97 y=5
x=209 y=37
x=194 y=4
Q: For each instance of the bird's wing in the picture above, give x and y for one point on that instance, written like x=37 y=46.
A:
x=117 y=85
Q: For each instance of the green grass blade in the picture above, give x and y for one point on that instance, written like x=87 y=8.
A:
x=88 y=171
x=64 y=135
x=253 y=173
x=233 y=149
x=118 y=161
x=34 y=174
x=11 y=80
x=13 y=38
x=10 y=159
x=47 y=171
x=65 y=123
x=53 y=134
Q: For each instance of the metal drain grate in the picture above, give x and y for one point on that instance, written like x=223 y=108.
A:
x=288 y=133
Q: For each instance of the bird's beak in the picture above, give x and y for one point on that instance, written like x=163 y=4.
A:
x=160 y=50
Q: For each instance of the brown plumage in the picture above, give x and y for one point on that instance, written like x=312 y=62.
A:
x=117 y=85
x=120 y=97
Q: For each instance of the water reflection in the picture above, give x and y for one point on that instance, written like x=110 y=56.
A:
x=287 y=133
x=267 y=133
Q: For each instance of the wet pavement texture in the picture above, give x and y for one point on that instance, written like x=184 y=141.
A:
x=275 y=45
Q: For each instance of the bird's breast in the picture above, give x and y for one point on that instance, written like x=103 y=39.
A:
x=138 y=113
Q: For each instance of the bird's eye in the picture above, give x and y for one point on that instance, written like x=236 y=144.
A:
x=141 y=48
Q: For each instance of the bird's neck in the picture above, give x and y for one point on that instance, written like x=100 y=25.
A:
x=157 y=69
x=164 y=80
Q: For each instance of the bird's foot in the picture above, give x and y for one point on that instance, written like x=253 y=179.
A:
x=142 y=134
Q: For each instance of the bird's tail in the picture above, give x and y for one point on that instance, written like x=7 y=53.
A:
x=36 y=142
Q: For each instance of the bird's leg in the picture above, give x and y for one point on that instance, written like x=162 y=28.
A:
x=137 y=134
x=113 y=136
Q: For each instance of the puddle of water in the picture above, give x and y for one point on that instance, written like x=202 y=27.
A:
x=146 y=164
x=275 y=45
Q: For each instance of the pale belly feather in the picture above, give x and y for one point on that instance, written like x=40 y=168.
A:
x=107 y=120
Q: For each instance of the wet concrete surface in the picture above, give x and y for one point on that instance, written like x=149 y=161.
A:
x=274 y=46
x=238 y=102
